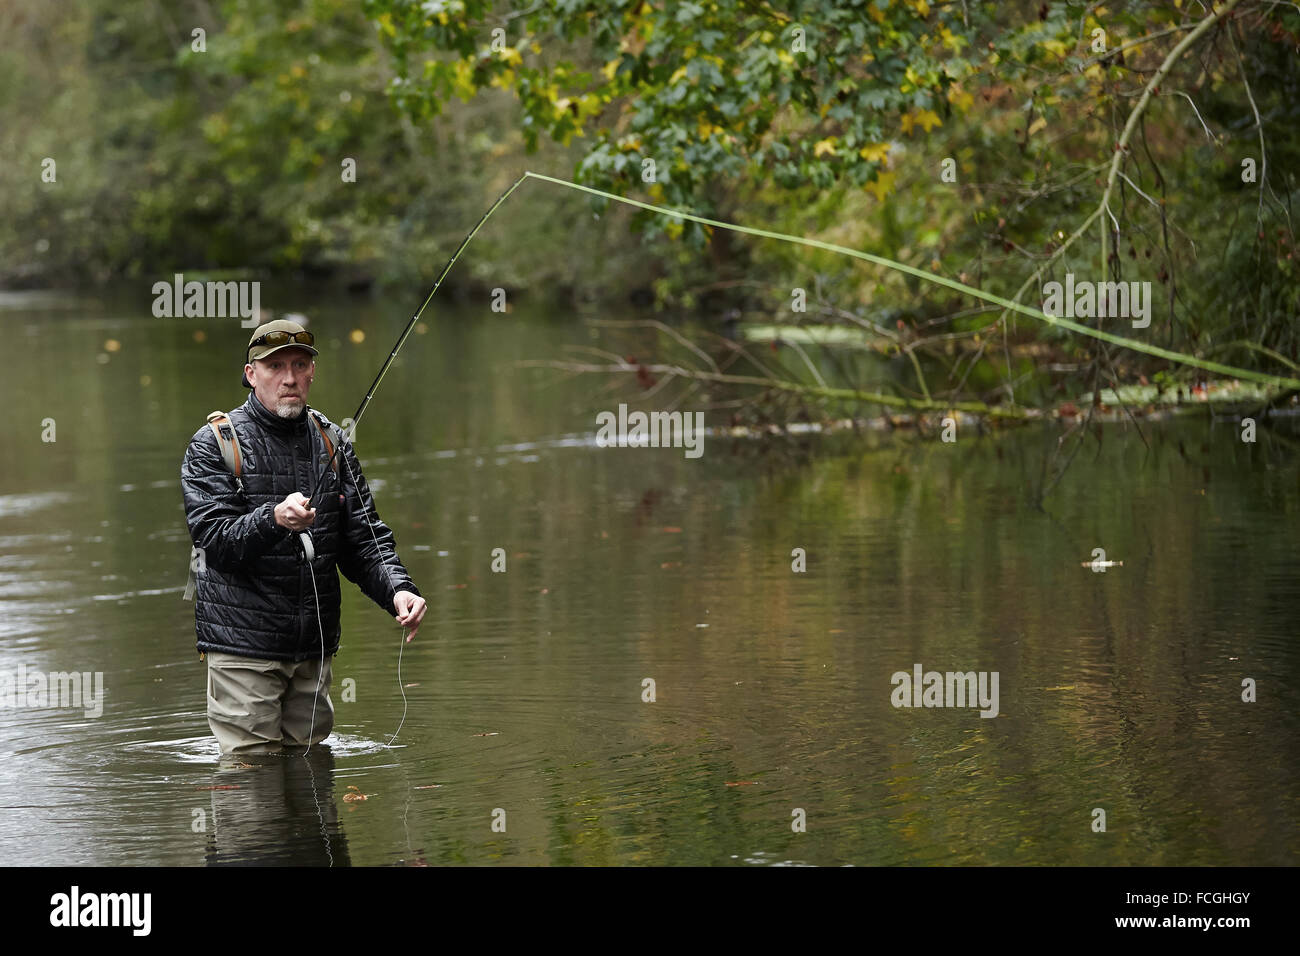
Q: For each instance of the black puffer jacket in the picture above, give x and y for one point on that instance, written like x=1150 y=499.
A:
x=254 y=597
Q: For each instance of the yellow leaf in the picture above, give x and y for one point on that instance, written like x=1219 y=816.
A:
x=464 y=84
x=874 y=152
x=951 y=40
x=609 y=69
x=926 y=119
x=824 y=146
x=883 y=184
x=680 y=72
x=1036 y=125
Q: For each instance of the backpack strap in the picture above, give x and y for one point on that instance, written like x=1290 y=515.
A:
x=228 y=443
x=329 y=445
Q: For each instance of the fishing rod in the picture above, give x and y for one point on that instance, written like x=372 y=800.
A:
x=1008 y=304
x=304 y=537
x=401 y=340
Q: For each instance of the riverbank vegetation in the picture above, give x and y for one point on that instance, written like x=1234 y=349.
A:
x=998 y=146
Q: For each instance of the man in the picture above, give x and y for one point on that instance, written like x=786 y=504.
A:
x=267 y=619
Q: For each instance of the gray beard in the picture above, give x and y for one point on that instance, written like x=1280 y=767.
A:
x=288 y=409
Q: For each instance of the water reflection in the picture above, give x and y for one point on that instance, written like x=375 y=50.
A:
x=276 y=810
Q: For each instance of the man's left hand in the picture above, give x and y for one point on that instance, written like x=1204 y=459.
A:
x=410 y=611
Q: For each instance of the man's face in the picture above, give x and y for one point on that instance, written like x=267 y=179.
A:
x=282 y=379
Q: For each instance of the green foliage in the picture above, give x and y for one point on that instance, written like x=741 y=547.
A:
x=825 y=118
x=794 y=117
x=705 y=92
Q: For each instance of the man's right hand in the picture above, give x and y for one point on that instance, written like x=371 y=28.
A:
x=292 y=514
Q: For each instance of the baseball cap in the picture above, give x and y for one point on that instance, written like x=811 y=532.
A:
x=276 y=335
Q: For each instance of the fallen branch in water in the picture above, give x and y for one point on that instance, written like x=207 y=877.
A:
x=1013 y=412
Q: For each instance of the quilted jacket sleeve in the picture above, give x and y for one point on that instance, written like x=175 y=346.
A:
x=218 y=517
x=368 y=551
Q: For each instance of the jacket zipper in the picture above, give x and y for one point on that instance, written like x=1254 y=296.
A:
x=302 y=592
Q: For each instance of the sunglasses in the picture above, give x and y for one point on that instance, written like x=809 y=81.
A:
x=282 y=338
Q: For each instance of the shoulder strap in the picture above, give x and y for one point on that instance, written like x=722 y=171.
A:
x=329 y=445
x=228 y=442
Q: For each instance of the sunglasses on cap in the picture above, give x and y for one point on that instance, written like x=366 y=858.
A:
x=283 y=338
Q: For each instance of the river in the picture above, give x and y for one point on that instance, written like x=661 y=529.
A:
x=528 y=737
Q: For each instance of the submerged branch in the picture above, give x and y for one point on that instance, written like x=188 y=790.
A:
x=1012 y=412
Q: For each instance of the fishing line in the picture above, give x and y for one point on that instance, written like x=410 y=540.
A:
x=320 y=673
x=320 y=670
x=388 y=568
x=324 y=831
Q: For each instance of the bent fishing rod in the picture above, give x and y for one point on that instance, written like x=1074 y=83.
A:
x=1007 y=304
x=304 y=537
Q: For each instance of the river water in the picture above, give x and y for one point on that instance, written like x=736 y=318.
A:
x=528 y=739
